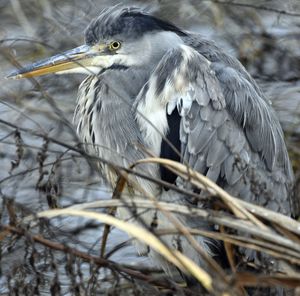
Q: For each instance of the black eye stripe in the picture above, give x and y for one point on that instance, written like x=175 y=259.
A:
x=126 y=22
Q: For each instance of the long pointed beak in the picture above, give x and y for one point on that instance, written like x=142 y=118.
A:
x=80 y=59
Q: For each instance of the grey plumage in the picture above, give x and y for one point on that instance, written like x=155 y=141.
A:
x=228 y=130
x=129 y=23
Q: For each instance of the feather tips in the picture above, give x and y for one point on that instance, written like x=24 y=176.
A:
x=227 y=130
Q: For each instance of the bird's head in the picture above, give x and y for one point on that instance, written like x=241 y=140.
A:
x=121 y=37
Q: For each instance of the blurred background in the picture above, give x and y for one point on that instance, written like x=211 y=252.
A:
x=39 y=173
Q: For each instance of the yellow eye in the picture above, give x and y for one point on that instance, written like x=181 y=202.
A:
x=114 y=45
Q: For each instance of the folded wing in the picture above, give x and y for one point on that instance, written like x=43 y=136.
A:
x=228 y=131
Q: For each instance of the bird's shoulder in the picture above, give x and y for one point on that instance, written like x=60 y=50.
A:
x=228 y=129
x=246 y=105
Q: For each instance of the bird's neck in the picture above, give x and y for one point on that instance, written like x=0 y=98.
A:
x=106 y=123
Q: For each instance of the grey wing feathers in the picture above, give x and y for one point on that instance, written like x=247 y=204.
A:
x=229 y=131
x=251 y=112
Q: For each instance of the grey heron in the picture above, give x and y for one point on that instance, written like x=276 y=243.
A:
x=150 y=83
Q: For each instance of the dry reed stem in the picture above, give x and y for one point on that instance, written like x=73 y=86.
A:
x=205 y=183
x=285 y=244
x=185 y=264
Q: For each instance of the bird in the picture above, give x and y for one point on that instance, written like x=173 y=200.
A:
x=150 y=83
